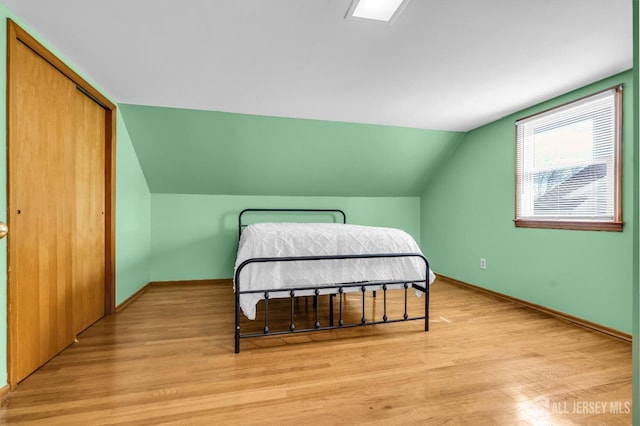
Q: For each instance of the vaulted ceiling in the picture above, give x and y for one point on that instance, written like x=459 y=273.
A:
x=179 y=68
x=207 y=152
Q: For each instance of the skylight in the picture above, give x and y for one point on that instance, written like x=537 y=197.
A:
x=377 y=10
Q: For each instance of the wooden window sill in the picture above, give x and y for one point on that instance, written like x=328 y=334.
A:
x=579 y=226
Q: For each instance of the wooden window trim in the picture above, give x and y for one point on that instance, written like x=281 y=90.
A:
x=573 y=225
x=616 y=225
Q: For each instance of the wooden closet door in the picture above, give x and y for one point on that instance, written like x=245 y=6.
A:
x=57 y=211
x=43 y=214
x=89 y=229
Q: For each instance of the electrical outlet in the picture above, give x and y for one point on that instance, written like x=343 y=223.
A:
x=483 y=263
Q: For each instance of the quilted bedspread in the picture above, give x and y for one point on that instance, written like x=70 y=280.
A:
x=321 y=239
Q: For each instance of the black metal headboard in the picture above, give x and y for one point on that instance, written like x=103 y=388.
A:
x=241 y=225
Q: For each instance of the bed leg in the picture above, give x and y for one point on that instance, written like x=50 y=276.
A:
x=237 y=340
x=331 y=297
x=426 y=304
x=237 y=294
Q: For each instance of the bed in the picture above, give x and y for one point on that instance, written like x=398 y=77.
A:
x=299 y=259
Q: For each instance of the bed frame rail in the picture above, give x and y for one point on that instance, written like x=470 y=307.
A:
x=332 y=290
x=242 y=225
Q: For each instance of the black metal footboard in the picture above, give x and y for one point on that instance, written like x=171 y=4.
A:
x=332 y=289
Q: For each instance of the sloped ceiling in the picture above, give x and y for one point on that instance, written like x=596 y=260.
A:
x=362 y=91
x=205 y=152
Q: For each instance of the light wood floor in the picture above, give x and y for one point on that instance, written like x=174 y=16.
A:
x=168 y=359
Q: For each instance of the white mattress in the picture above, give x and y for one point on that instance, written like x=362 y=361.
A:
x=321 y=239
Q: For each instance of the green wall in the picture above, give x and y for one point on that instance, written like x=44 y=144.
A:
x=467 y=213
x=636 y=208
x=186 y=151
x=133 y=219
x=196 y=236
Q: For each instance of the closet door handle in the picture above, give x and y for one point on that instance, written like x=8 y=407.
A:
x=4 y=229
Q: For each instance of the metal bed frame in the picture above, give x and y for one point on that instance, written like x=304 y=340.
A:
x=332 y=288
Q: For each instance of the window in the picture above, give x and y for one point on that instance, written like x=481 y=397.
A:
x=568 y=165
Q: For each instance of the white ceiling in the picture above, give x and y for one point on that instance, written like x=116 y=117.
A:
x=444 y=64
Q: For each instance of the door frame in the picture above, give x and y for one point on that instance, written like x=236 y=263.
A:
x=16 y=35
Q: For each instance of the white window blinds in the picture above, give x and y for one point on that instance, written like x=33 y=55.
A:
x=567 y=161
